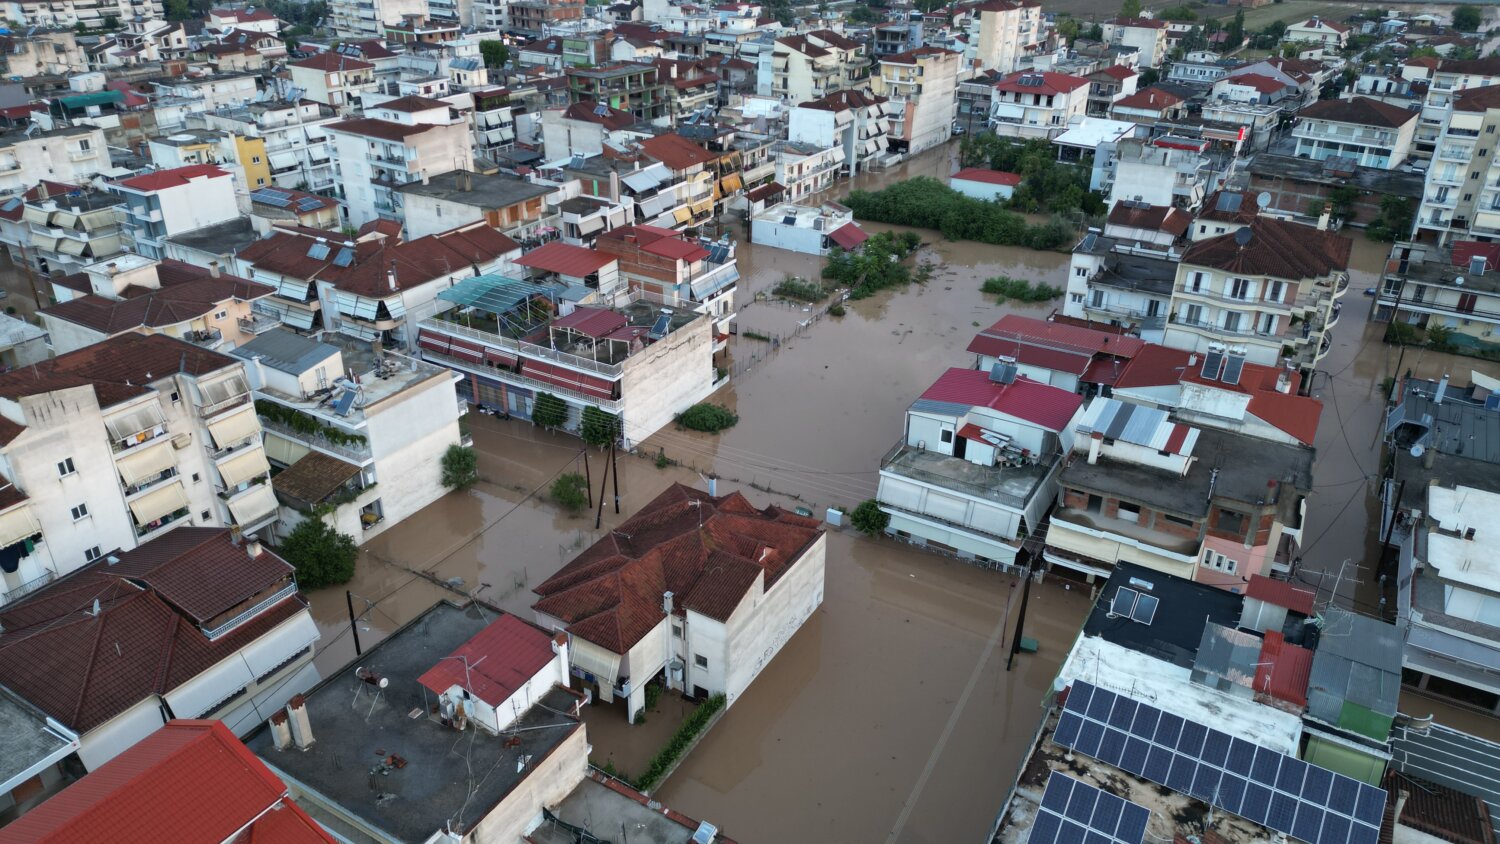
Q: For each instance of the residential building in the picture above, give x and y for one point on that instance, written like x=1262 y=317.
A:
x=66 y=227
x=201 y=306
x=356 y=19
x=1109 y=85
x=170 y=202
x=1149 y=107
x=397 y=142
x=983 y=183
x=1371 y=132
x=811 y=229
x=1252 y=89
x=1299 y=185
x=334 y=79
x=1455 y=289
x=811 y=66
x=1098 y=139
x=694 y=169
x=1171 y=497
x=1165 y=170
x=140 y=795
x=1444 y=80
x=680 y=270
x=1060 y=354
x=1037 y=104
x=1148 y=36
x=973 y=103
x=977 y=466
x=896 y=36
x=920 y=87
x=583 y=128
x=627 y=352
x=510 y=204
x=1320 y=32
x=295 y=147
x=536 y=18
x=1245 y=288
x=21 y=343
x=1008 y=33
x=1199 y=68
x=271 y=207
x=628 y=86
x=1462 y=193
x=741 y=582
x=225 y=654
x=803 y=169
x=855 y=121
x=249 y=19
x=91 y=13
x=1124 y=275
x=43 y=52
x=381 y=415
x=43 y=761
x=70 y=154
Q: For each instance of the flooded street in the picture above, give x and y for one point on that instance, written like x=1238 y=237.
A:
x=889 y=716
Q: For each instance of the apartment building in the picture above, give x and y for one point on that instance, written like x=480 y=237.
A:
x=342 y=415
x=73 y=154
x=1124 y=275
x=1109 y=85
x=494 y=121
x=296 y=149
x=1147 y=36
x=513 y=205
x=1165 y=170
x=810 y=229
x=1270 y=287
x=1454 y=288
x=333 y=79
x=63 y=228
x=1372 y=133
x=115 y=444
x=399 y=141
x=1462 y=191
x=204 y=307
x=356 y=19
x=1003 y=33
x=854 y=121
x=693 y=170
x=1444 y=80
x=697 y=647
x=1037 y=104
x=91 y=13
x=165 y=203
x=43 y=52
x=176 y=648
x=803 y=169
x=628 y=86
x=977 y=466
x=1148 y=490
x=920 y=87
x=810 y=66
x=680 y=270
x=1319 y=32
x=1149 y=107
x=536 y=18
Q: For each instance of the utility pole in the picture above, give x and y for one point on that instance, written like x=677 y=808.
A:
x=599 y=514
x=1015 y=641
x=31 y=277
x=615 y=472
x=353 y=625
x=588 y=477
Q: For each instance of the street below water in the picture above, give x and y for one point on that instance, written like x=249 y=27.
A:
x=890 y=715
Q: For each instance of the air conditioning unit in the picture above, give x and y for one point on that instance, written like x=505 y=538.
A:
x=182 y=441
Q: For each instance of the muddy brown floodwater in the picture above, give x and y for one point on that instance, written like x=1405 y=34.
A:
x=890 y=715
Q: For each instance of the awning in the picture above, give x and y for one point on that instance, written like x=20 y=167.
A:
x=32 y=214
x=586 y=656
x=234 y=428
x=64 y=219
x=224 y=389
x=137 y=465
x=243 y=466
x=69 y=246
x=18 y=524
x=433 y=342
x=298 y=318
x=589 y=225
x=135 y=421
x=103 y=247
x=358 y=307
x=253 y=505
x=499 y=358
x=159 y=502
x=732 y=183
x=292 y=288
x=43 y=243
x=283 y=450
x=283 y=160
x=682 y=215
x=98 y=219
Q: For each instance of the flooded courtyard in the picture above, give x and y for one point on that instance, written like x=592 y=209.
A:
x=890 y=715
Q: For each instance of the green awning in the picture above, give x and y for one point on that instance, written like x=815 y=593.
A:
x=494 y=294
x=93 y=99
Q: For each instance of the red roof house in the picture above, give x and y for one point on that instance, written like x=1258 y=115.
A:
x=507 y=657
x=1031 y=401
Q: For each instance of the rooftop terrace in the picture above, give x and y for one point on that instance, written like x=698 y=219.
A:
x=1010 y=485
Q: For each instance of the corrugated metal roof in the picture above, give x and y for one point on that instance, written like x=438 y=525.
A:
x=1144 y=426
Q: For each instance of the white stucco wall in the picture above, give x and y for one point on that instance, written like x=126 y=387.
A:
x=764 y=622
x=666 y=378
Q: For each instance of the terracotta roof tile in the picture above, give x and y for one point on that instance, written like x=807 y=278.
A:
x=495 y=663
x=117 y=368
x=415 y=262
x=1162 y=218
x=989 y=177
x=1276 y=248
x=332 y=61
x=1052 y=83
x=1360 y=110
x=566 y=259
x=314 y=477
x=1041 y=404
x=592 y=112
x=386 y=130
x=676 y=152
x=175 y=177
x=187 y=292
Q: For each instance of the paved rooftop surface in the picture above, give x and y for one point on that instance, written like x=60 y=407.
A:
x=606 y=813
x=354 y=731
x=24 y=737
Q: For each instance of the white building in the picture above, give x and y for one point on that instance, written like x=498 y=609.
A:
x=1007 y=33
x=1147 y=35
x=977 y=466
x=399 y=141
x=1037 y=105
x=357 y=19
x=812 y=229
x=1325 y=34
x=852 y=120
x=811 y=66
x=921 y=87
x=1124 y=276
x=805 y=169
x=298 y=151
x=1162 y=171
x=1372 y=133
x=333 y=79
x=165 y=203
x=117 y=443
x=91 y=13
x=1462 y=195
x=702 y=635
x=384 y=419
x=72 y=155
x=983 y=183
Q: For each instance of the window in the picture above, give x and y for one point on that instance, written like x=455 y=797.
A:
x=1082 y=272
x=1232 y=321
x=91 y=554
x=1489 y=130
x=1274 y=291
x=1239 y=288
x=1193 y=314
x=80 y=511
x=1128 y=512
x=677 y=631
x=1230 y=521
x=1177 y=520
x=221 y=315
x=439 y=210
x=176 y=397
x=1474 y=175
x=1218 y=562
x=1197 y=282
x=195 y=477
x=259 y=182
x=255 y=159
x=1484 y=152
x=65 y=468
x=700 y=660
x=1219 y=230
x=946 y=436
x=85 y=144
x=1077 y=298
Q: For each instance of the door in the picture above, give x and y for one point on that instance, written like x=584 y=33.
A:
x=1466 y=303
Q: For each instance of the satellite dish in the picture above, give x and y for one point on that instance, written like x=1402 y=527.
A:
x=1458 y=282
x=1242 y=236
x=1263 y=200
x=1418 y=450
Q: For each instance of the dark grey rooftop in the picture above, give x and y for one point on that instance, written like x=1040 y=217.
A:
x=478 y=189
x=353 y=731
x=1368 y=179
x=1176 y=630
x=583 y=204
x=1138 y=272
x=1459 y=427
x=1358 y=660
x=25 y=740
x=285 y=351
x=226 y=238
x=602 y=812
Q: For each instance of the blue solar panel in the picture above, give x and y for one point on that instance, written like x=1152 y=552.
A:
x=1168 y=730
x=1133 y=820
x=1112 y=747
x=1045 y=827
x=1134 y=758
x=1267 y=762
x=318 y=251
x=1145 y=721
x=1123 y=714
x=663 y=322
x=1081 y=805
x=1343 y=796
x=1309 y=822
x=1291 y=775
x=1371 y=804
x=1315 y=787
x=1215 y=749
x=1191 y=740
x=1257 y=803
x=1067 y=729
x=1076 y=811
x=1241 y=757
x=1335 y=827
x=1089 y=737
x=1231 y=793
x=1158 y=763
x=1206 y=783
x=1055 y=798
x=345 y=402
x=1100 y=705
x=1180 y=777
x=1283 y=810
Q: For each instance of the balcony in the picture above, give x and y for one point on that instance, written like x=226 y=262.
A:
x=270 y=601
x=82 y=154
x=152 y=215
x=26 y=588
x=1215 y=328
x=210 y=338
x=147 y=483
x=358 y=452
x=258 y=323
x=152 y=527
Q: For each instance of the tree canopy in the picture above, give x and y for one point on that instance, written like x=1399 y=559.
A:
x=1467 y=18
x=321 y=555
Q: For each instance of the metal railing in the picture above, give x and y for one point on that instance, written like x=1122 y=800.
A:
x=274 y=598
x=536 y=385
x=27 y=588
x=358 y=453
x=521 y=347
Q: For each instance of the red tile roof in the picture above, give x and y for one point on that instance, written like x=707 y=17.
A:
x=386 y=130
x=415 y=262
x=1154 y=366
x=913 y=56
x=592 y=112
x=117 y=368
x=1465 y=251
x=1013 y=329
x=1283 y=669
x=1119 y=71
x=1052 y=83
x=566 y=259
x=989 y=177
x=332 y=61
x=187 y=292
x=1162 y=218
x=1263 y=84
x=1362 y=111
x=188 y=781
x=1146 y=23
x=495 y=663
x=1281 y=593
x=1442 y=813
x=841 y=100
x=676 y=152
x=1316 y=23
x=595 y=322
x=1276 y=248
x=707 y=551
x=1032 y=401
x=1294 y=414
x=176 y=177
x=410 y=103
x=1150 y=99
x=848 y=236
x=653 y=239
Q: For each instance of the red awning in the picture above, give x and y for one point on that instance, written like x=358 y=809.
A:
x=433 y=342
x=848 y=236
x=499 y=358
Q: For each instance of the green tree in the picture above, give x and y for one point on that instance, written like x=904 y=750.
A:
x=1068 y=28
x=1467 y=18
x=570 y=491
x=864 y=14
x=111 y=23
x=549 y=411
x=598 y=427
x=1095 y=33
x=869 y=519
x=179 y=10
x=1234 y=33
x=460 y=466
x=1150 y=76
x=709 y=418
x=1130 y=9
x=495 y=53
x=321 y=555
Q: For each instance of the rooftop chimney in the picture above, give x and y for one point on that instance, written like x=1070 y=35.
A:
x=296 y=710
x=666 y=602
x=390 y=276
x=1095 y=442
x=213 y=269
x=252 y=547
x=281 y=731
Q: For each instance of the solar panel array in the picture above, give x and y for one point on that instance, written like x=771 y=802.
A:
x=309 y=203
x=318 y=251
x=1074 y=812
x=1136 y=606
x=272 y=196
x=1273 y=789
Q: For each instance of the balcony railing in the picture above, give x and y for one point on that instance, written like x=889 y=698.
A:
x=147 y=483
x=271 y=600
x=608 y=405
x=1215 y=328
x=26 y=588
x=143 y=530
x=359 y=452
x=520 y=347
